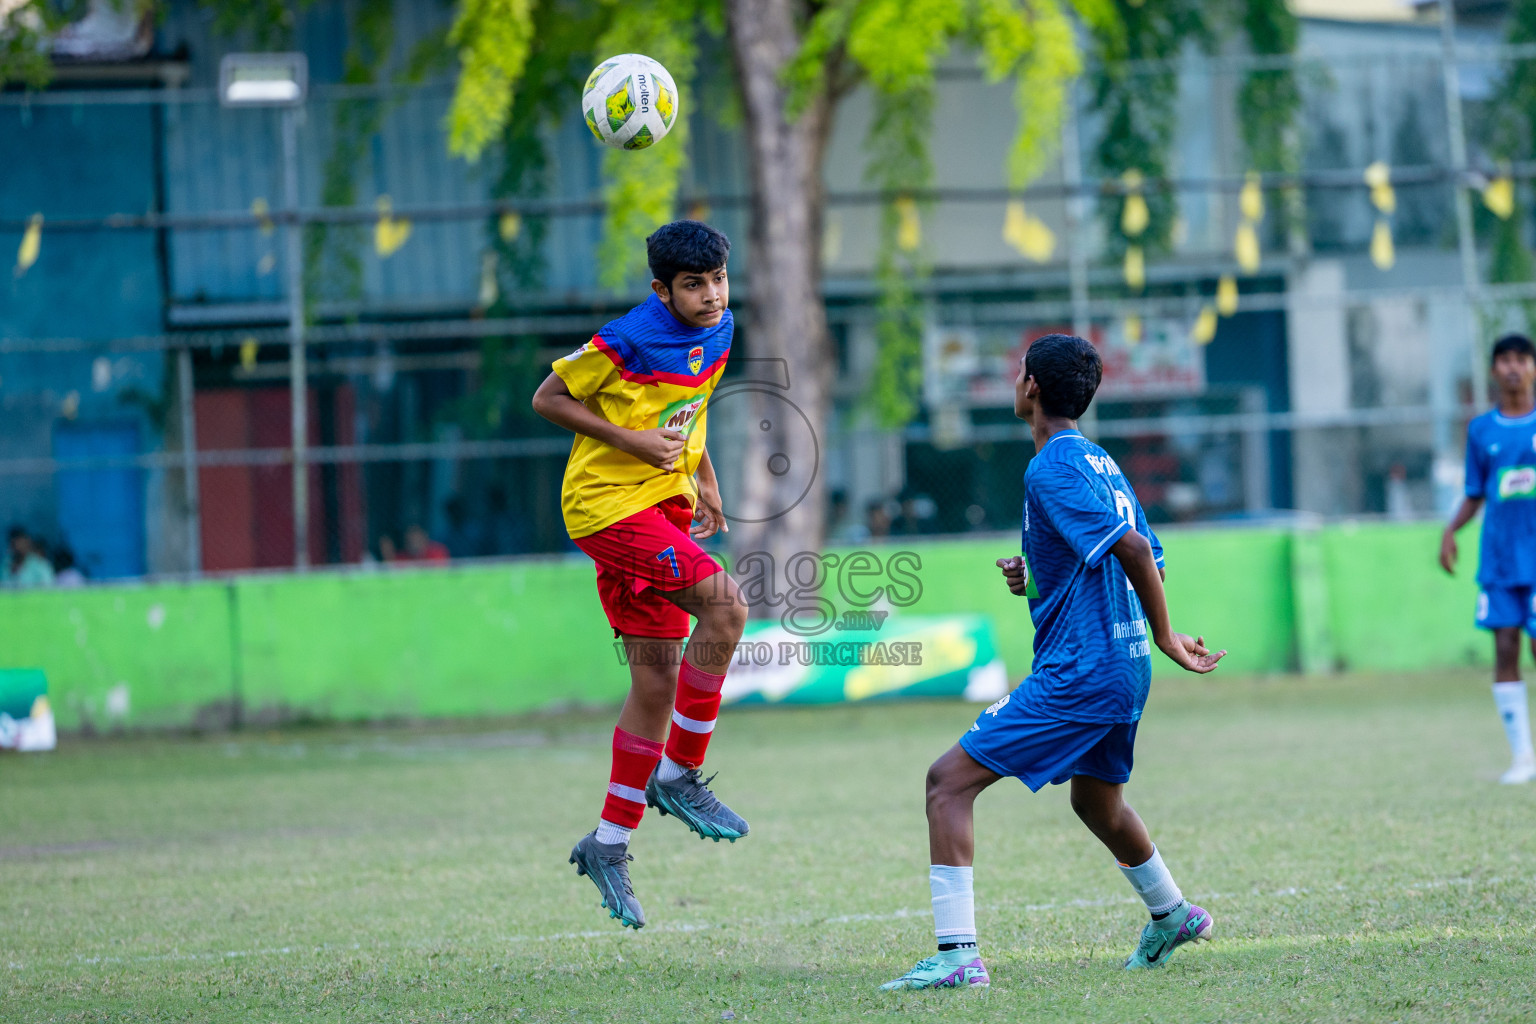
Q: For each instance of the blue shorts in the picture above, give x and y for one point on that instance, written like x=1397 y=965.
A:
x=1012 y=738
x=1502 y=607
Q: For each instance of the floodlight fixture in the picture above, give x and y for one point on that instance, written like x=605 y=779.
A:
x=263 y=79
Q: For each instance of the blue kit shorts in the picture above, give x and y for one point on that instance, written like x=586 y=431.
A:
x=1013 y=739
x=1502 y=607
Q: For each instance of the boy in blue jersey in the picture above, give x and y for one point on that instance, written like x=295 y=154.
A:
x=1074 y=717
x=1501 y=474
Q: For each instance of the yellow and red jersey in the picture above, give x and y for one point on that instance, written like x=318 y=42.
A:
x=643 y=370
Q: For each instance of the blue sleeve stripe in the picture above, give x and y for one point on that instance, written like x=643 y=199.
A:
x=1092 y=558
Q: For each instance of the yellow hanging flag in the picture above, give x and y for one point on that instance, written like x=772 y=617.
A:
x=31 y=244
x=1499 y=197
x=1203 y=331
x=1251 y=199
x=1133 y=330
x=390 y=233
x=1379 y=177
x=1028 y=234
x=509 y=225
x=1246 y=247
x=909 y=229
x=263 y=214
x=1135 y=268
x=1382 y=253
x=831 y=239
x=1226 y=295
x=1134 y=216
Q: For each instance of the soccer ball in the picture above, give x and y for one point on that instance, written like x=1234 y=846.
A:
x=629 y=101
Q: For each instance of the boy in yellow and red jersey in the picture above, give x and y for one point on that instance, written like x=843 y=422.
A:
x=639 y=493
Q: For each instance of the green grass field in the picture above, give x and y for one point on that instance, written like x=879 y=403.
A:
x=1348 y=836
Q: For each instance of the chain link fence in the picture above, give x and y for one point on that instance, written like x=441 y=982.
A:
x=239 y=339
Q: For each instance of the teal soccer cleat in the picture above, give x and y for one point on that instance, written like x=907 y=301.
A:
x=689 y=799
x=1186 y=923
x=607 y=864
x=938 y=972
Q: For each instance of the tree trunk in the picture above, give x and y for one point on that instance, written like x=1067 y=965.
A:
x=782 y=510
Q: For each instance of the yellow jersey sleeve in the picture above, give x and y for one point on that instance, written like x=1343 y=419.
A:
x=587 y=371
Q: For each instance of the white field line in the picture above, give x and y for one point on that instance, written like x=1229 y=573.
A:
x=798 y=920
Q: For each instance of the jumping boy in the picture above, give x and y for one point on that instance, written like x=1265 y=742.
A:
x=1501 y=472
x=635 y=397
x=1074 y=717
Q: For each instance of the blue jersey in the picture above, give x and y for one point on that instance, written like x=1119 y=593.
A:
x=1501 y=469
x=1093 y=655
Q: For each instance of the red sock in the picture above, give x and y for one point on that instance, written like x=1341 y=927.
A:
x=693 y=717
x=634 y=758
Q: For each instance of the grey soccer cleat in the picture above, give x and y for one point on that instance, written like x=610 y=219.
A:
x=689 y=799
x=607 y=864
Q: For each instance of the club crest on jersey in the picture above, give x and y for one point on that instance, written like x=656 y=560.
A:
x=681 y=416
x=695 y=358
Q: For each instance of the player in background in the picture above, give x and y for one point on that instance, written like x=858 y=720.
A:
x=635 y=396
x=1501 y=474
x=1086 y=544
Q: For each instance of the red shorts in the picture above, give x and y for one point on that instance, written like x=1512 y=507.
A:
x=642 y=555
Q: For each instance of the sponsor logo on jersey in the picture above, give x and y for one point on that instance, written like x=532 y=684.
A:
x=695 y=358
x=995 y=708
x=1517 y=482
x=578 y=353
x=681 y=416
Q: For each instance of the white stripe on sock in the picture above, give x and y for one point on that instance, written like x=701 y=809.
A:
x=629 y=793
x=609 y=833
x=954 y=903
x=1515 y=714
x=692 y=724
x=1154 y=884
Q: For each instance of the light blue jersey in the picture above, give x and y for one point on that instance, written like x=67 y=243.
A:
x=1093 y=654
x=1501 y=469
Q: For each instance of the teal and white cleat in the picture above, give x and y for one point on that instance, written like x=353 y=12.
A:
x=689 y=799
x=939 y=972
x=607 y=864
x=1186 y=923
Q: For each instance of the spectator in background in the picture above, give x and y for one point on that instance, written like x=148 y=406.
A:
x=877 y=519
x=25 y=567
x=419 y=547
x=919 y=514
x=65 y=572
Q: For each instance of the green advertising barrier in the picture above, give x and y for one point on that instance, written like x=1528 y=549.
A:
x=155 y=655
x=26 y=719
x=517 y=636
x=911 y=656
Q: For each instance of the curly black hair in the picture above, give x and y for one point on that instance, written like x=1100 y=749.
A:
x=685 y=247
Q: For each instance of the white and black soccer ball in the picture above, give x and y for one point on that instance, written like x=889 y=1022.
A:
x=629 y=101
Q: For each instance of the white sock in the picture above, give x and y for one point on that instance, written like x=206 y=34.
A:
x=669 y=770
x=1154 y=884
x=1510 y=698
x=609 y=833
x=954 y=904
